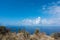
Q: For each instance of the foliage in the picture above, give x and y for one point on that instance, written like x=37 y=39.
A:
x=56 y=35
x=3 y=30
x=37 y=31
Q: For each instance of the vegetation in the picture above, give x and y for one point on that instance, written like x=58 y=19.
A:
x=56 y=35
x=5 y=34
x=2 y=29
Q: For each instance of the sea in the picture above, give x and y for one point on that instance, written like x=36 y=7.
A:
x=31 y=29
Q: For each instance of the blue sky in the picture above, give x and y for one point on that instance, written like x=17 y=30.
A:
x=33 y=12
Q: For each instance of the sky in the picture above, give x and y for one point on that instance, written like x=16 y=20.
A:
x=30 y=12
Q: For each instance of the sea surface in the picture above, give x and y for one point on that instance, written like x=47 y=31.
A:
x=31 y=29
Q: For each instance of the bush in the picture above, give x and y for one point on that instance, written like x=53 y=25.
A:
x=56 y=35
x=2 y=29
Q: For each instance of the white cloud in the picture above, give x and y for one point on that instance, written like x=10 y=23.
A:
x=31 y=22
x=52 y=9
x=41 y=22
x=46 y=22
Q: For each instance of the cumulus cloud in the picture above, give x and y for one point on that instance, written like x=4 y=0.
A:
x=52 y=9
x=40 y=22
x=31 y=22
